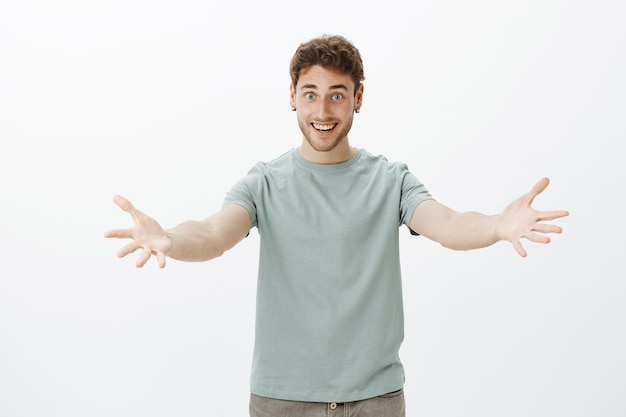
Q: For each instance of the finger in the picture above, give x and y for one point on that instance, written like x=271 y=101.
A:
x=143 y=258
x=118 y=233
x=537 y=189
x=161 y=259
x=128 y=207
x=519 y=248
x=551 y=215
x=548 y=228
x=537 y=238
x=128 y=249
x=123 y=203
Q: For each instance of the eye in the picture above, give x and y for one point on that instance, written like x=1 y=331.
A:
x=309 y=96
x=337 y=97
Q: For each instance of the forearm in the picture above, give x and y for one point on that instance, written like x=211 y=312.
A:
x=469 y=230
x=207 y=239
x=194 y=240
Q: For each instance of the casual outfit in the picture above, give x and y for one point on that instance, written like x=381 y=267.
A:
x=329 y=320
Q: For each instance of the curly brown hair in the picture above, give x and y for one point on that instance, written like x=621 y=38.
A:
x=328 y=51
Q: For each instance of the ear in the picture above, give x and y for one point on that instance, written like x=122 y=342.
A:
x=292 y=95
x=358 y=97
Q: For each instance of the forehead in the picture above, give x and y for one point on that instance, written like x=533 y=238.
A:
x=323 y=78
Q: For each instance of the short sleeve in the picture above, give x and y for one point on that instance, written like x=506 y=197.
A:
x=244 y=191
x=413 y=192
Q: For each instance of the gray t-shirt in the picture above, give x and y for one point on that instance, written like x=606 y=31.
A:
x=329 y=318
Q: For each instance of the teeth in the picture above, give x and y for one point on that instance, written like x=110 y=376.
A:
x=323 y=128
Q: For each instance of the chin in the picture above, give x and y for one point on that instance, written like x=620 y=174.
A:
x=326 y=145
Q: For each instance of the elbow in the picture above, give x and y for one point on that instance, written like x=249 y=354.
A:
x=214 y=252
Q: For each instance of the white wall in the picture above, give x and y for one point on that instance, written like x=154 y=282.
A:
x=169 y=103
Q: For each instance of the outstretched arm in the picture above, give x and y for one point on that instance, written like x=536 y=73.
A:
x=191 y=240
x=473 y=230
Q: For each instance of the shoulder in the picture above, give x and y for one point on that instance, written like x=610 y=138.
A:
x=382 y=164
x=282 y=162
x=268 y=172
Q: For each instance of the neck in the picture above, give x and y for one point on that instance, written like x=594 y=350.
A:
x=340 y=153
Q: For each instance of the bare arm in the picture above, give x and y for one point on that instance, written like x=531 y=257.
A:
x=461 y=231
x=471 y=230
x=207 y=239
x=191 y=240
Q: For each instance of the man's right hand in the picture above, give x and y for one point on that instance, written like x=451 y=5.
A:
x=147 y=235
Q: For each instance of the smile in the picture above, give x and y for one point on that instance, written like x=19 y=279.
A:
x=324 y=127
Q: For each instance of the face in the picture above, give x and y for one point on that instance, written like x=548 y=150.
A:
x=325 y=103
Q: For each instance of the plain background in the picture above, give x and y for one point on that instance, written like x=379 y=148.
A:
x=170 y=102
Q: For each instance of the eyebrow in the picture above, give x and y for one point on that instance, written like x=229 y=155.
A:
x=332 y=87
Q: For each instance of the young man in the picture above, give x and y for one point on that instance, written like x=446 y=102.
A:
x=329 y=304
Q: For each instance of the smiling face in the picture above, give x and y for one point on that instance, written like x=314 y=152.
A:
x=325 y=101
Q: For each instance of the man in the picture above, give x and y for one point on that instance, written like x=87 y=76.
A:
x=329 y=304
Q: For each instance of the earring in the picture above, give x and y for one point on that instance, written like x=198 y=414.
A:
x=293 y=108
x=357 y=110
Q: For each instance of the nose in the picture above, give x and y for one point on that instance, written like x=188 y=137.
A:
x=323 y=109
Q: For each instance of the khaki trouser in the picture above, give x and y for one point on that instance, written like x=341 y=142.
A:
x=388 y=405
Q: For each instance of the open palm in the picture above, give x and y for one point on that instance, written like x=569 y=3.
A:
x=519 y=220
x=146 y=233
